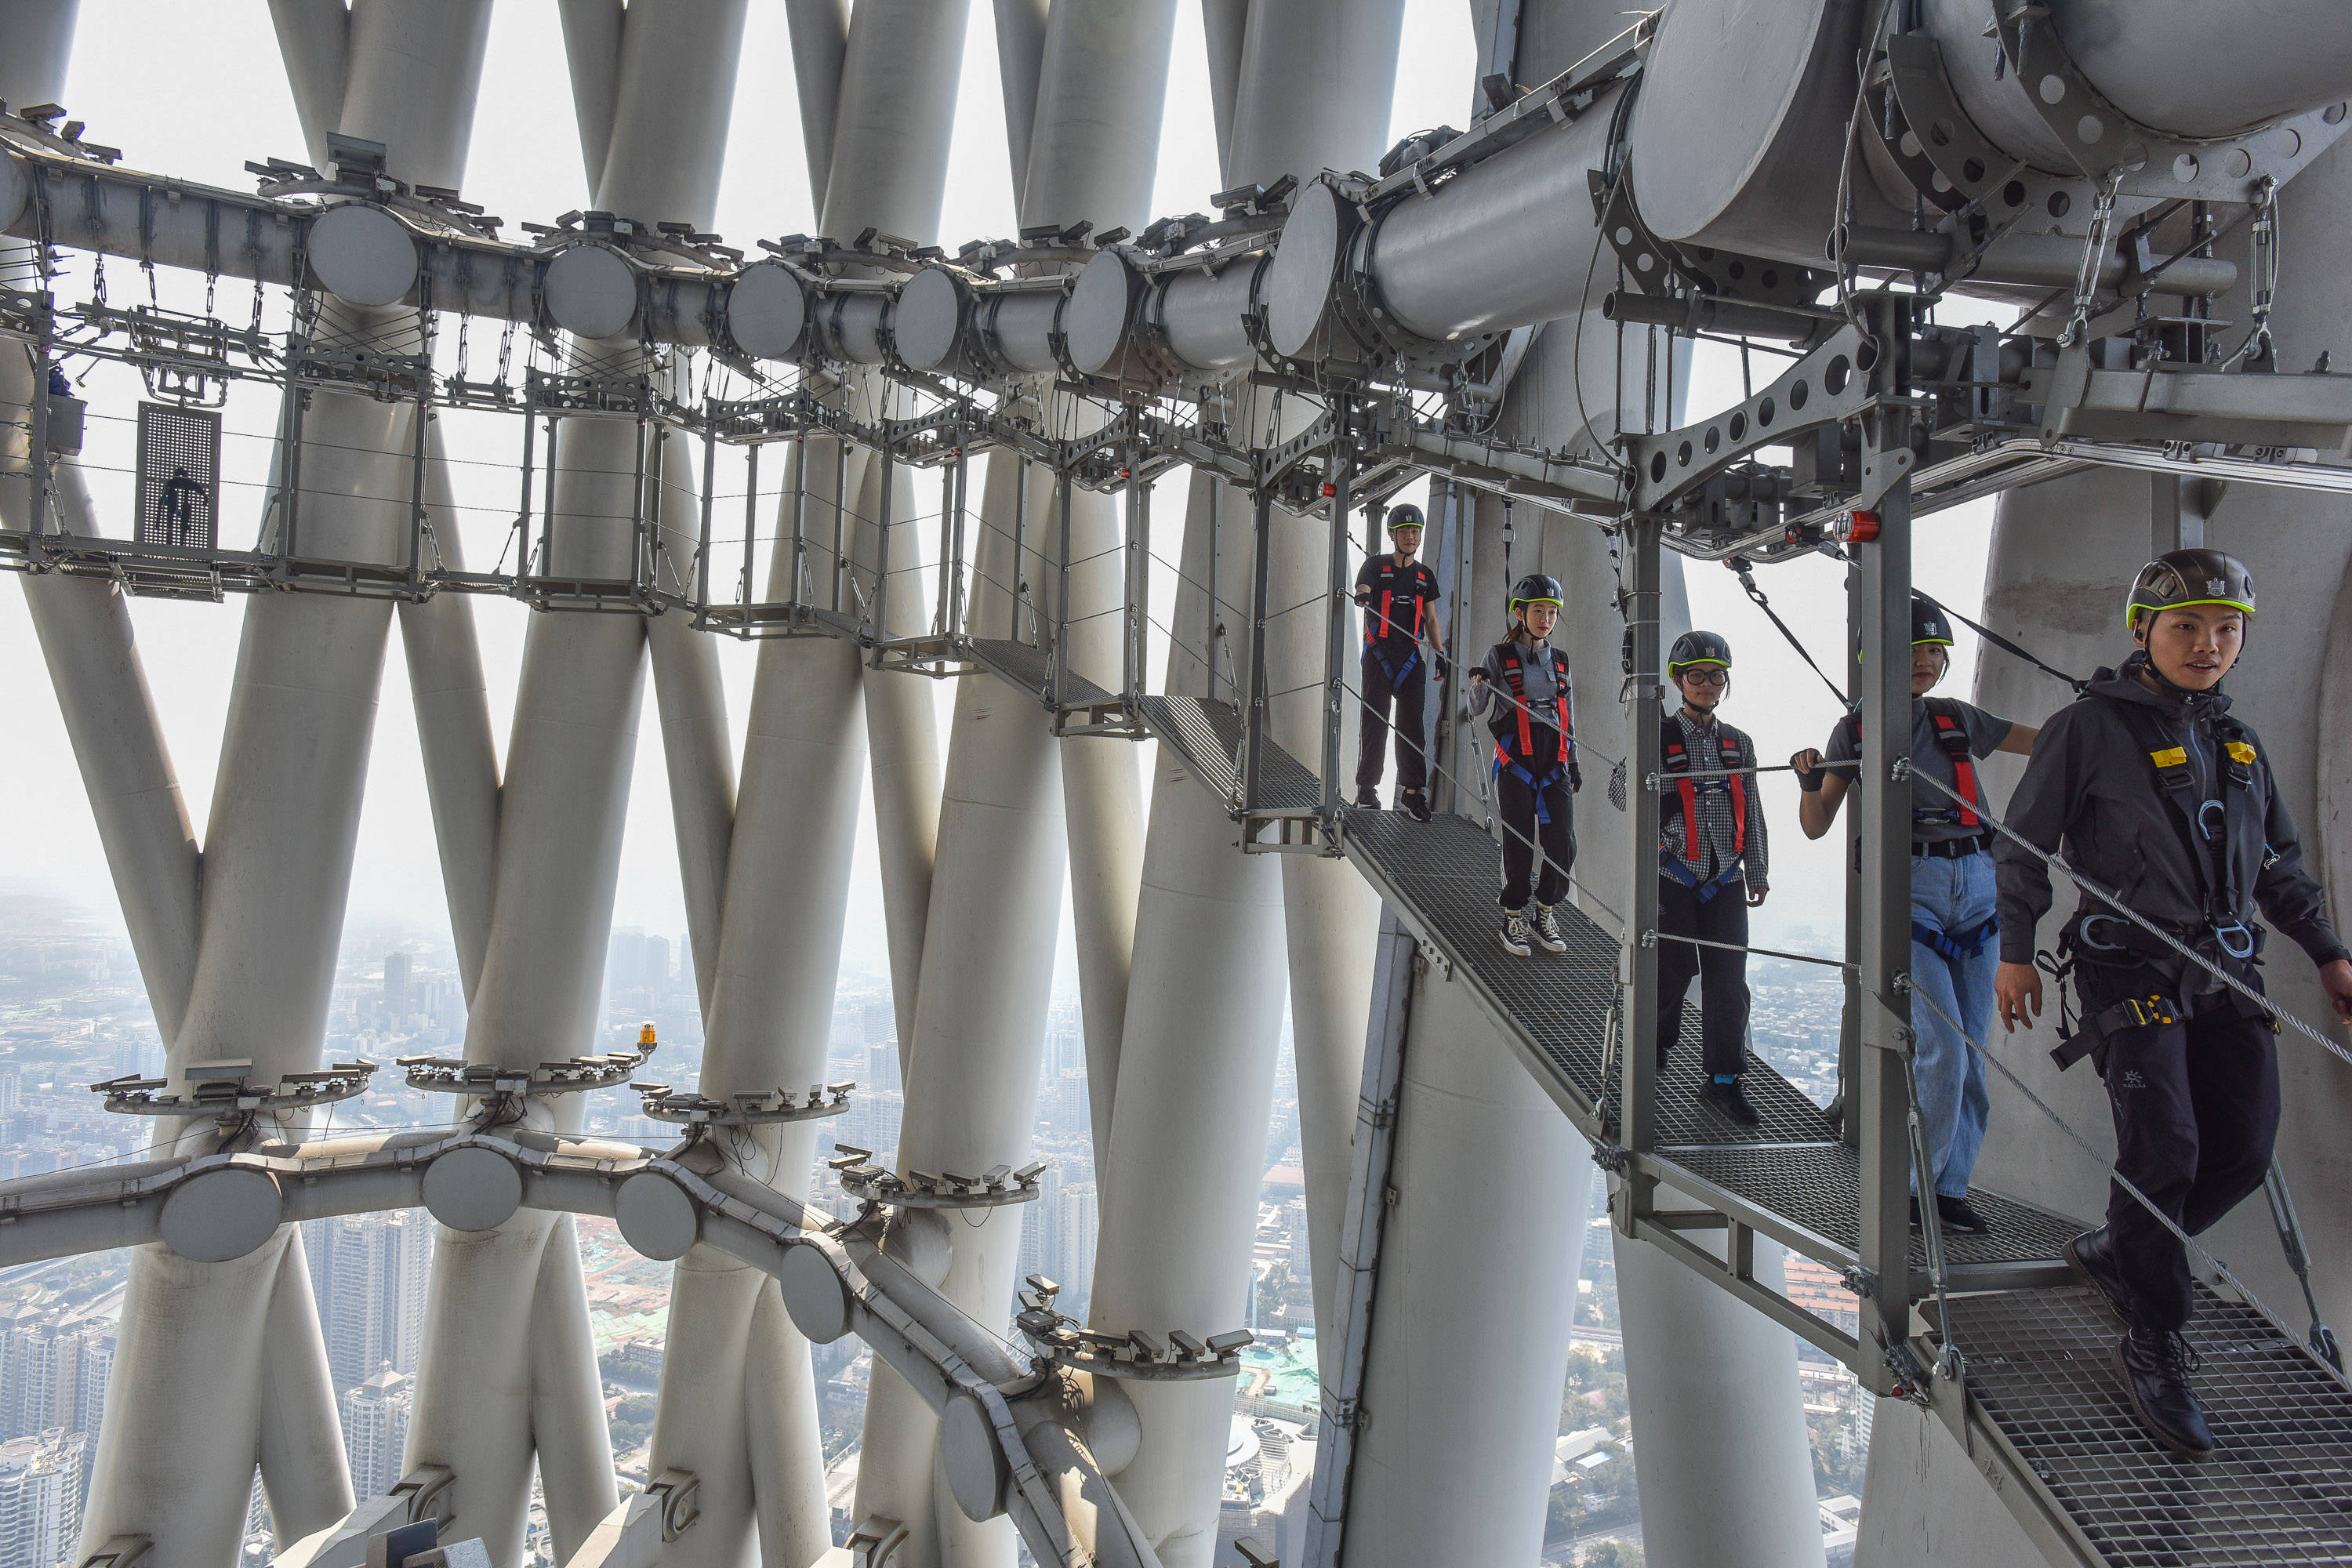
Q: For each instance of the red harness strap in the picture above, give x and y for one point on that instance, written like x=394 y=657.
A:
x=1953 y=737
x=1678 y=761
x=1514 y=672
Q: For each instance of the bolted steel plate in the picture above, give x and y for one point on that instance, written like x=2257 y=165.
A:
x=16 y=186
x=219 y=1215
x=473 y=1189
x=1095 y=321
x=1298 y=285
x=590 y=292
x=766 y=311
x=929 y=318
x=362 y=254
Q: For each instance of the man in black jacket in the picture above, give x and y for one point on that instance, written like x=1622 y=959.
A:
x=2162 y=797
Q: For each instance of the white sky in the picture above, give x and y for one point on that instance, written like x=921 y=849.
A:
x=196 y=90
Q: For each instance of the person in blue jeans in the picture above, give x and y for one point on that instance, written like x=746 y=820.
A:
x=1954 y=949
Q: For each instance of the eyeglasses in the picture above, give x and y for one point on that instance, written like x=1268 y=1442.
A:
x=1716 y=676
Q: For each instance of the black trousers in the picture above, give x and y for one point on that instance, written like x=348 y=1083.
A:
x=1522 y=832
x=2196 y=1109
x=1722 y=976
x=1410 y=696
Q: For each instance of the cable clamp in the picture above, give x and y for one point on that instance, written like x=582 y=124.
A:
x=1861 y=1281
x=1610 y=1157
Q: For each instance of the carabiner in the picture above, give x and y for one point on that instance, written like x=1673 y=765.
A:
x=2236 y=939
x=2213 y=819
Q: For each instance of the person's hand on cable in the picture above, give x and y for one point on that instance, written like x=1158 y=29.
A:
x=1575 y=775
x=1444 y=666
x=2335 y=976
x=2017 y=993
x=1807 y=765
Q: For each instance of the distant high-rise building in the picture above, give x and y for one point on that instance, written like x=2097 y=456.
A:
x=40 y=1498
x=375 y=1431
x=53 y=1374
x=653 y=972
x=1069 y=1110
x=881 y=1067
x=1041 y=1227
x=369 y=1274
x=395 y=984
x=881 y=1023
x=1081 y=1219
x=12 y=1091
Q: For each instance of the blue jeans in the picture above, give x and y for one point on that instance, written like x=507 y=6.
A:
x=1954 y=897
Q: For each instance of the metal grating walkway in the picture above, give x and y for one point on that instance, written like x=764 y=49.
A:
x=1031 y=668
x=2277 y=1490
x=1208 y=735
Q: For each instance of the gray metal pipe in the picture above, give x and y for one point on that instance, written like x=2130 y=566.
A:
x=2211 y=67
x=2037 y=260
x=1698 y=313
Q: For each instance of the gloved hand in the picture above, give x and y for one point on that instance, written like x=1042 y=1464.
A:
x=1444 y=666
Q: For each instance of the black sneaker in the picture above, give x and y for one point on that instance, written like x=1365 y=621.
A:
x=2155 y=1364
x=1959 y=1214
x=2092 y=1256
x=1515 y=933
x=1546 y=930
x=1413 y=803
x=1367 y=798
x=1728 y=1098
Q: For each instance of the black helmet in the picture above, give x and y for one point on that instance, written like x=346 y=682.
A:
x=1927 y=622
x=2189 y=577
x=1698 y=648
x=1535 y=588
x=1405 y=516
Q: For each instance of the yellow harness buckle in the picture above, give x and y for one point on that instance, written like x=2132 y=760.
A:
x=2240 y=751
x=2170 y=757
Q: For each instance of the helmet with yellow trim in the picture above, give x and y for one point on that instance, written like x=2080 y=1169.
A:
x=2183 y=577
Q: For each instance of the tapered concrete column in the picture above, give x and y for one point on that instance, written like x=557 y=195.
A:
x=1316 y=79
x=1455 y=1461
x=896 y=107
x=227 y=1350
x=1180 y=1177
x=510 y=1371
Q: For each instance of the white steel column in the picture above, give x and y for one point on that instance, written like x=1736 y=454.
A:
x=988 y=951
x=1180 y=1171
x=1490 y=1184
x=510 y=1371
x=896 y=108
x=231 y=1351
x=1317 y=80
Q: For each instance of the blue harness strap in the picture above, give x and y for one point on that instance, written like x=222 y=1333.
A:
x=1956 y=949
x=1673 y=866
x=1396 y=675
x=1536 y=785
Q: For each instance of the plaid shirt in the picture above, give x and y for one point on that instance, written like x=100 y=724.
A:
x=1718 y=830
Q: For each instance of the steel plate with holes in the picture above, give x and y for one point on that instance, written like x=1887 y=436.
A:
x=1030 y=667
x=1209 y=736
x=2278 y=1487
x=1820 y=1188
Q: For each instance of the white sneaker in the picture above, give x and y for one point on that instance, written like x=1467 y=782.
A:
x=1547 y=930
x=1515 y=933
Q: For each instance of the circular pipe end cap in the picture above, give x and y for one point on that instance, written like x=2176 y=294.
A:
x=816 y=1299
x=473 y=1189
x=767 y=309
x=590 y=292
x=1298 y=282
x=977 y=1473
x=220 y=1215
x=928 y=320
x=656 y=1216
x=1095 y=322
x=361 y=255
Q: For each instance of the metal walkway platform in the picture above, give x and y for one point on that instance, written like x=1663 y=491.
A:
x=2044 y=1412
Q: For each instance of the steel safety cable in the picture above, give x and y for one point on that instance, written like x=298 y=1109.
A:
x=2244 y=1290
x=1747 y=581
x=2058 y=863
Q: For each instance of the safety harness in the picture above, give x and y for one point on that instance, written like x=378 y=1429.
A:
x=1378 y=625
x=1521 y=766
x=2206 y=824
x=1952 y=738
x=1736 y=759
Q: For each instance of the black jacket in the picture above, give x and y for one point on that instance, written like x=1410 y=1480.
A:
x=2093 y=783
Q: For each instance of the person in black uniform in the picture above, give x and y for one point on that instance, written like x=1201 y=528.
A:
x=1523 y=687
x=1712 y=866
x=2159 y=793
x=1398 y=598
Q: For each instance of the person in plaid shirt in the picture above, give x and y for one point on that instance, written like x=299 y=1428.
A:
x=1712 y=868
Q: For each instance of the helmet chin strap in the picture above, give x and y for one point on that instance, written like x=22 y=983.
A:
x=2146 y=662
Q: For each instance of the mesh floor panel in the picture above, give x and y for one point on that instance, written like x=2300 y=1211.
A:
x=1820 y=1188
x=1030 y=668
x=1445 y=874
x=2277 y=1488
x=1209 y=736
